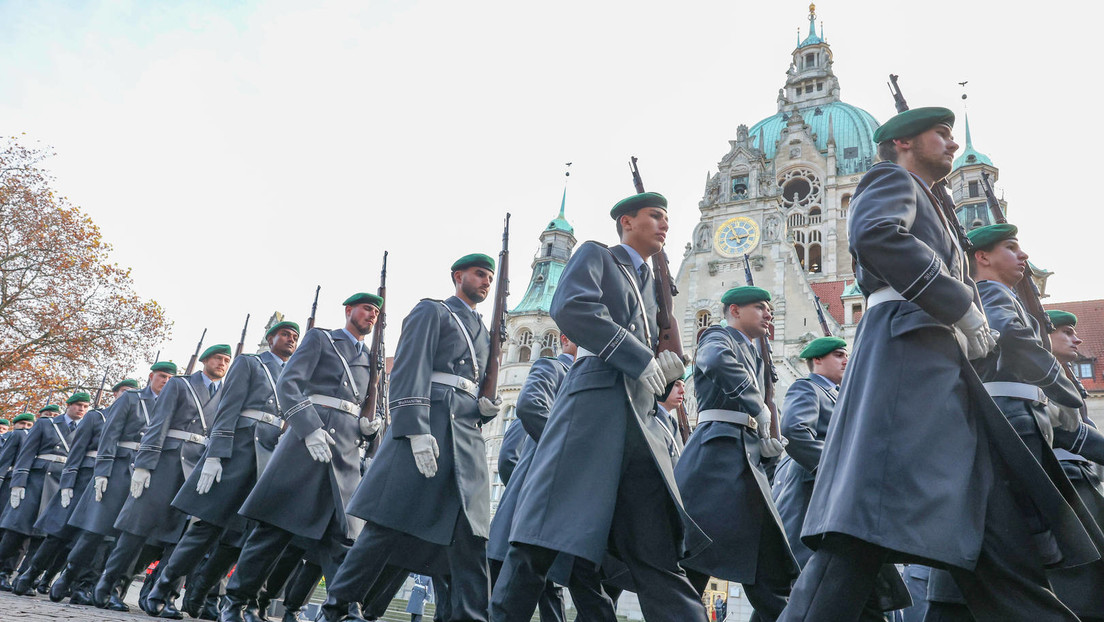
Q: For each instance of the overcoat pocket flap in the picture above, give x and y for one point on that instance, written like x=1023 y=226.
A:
x=910 y=318
x=596 y=379
x=721 y=429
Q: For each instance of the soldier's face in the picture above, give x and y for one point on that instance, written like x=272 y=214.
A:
x=678 y=394
x=831 y=365
x=1064 y=342
x=215 y=366
x=284 y=342
x=76 y=410
x=646 y=231
x=753 y=320
x=360 y=318
x=931 y=152
x=120 y=392
x=1006 y=262
x=157 y=381
x=474 y=284
x=3 y=428
x=22 y=425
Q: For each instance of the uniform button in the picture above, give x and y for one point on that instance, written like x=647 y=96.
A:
x=453 y=416
x=345 y=383
x=463 y=362
x=632 y=326
x=333 y=431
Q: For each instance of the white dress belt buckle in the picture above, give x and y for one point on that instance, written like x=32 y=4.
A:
x=454 y=381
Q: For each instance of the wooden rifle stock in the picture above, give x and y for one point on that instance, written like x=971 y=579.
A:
x=376 y=355
x=195 y=355
x=241 y=342
x=771 y=377
x=670 y=338
x=489 y=387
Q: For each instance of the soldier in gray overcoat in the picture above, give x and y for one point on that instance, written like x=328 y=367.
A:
x=75 y=477
x=243 y=434
x=13 y=440
x=916 y=444
x=602 y=473
x=36 y=473
x=1021 y=375
x=315 y=468
x=99 y=505
x=435 y=450
x=169 y=450
x=721 y=473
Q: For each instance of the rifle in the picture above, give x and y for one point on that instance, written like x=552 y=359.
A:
x=820 y=317
x=99 y=393
x=378 y=361
x=767 y=355
x=157 y=357
x=314 y=308
x=195 y=355
x=489 y=388
x=670 y=339
x=241 y=342
x=898 y=98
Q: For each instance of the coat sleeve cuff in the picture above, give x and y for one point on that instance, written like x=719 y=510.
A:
x=409 y=416
x=303 y=418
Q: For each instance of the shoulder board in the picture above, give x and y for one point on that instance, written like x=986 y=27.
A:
x=596 y=242
x=431 y=300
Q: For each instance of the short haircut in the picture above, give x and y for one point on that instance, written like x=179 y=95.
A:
x=887 y=151
x=632 y=214
x=809 y=362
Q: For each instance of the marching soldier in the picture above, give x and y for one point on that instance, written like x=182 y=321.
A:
x=21 y=427
x=435 y=450
x=602 y=472
x=5 y=425
x=911 y=404
x=243 y=434
x=316 y=466
x=37 y=473
x=721 y=473
x=1020 y=374
x=49 y=410
x=1079 y=588
x=75 y=477
x=533 y=405
x=99 y=505
x=169 y=450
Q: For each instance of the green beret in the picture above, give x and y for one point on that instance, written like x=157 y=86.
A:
x=129 y=382
x=166 y=366
x=218 y=348
x=637 y=201
x=912 y=122
x=475 y=259
x=79 y=396
x=5 y=422
x=1062 y=318
x=984 y=238
x=689 y=372
x=49 y=408
x=361 y=298
x=285 y=324
x=745 y=295
x=24 y=417
x=822 y=346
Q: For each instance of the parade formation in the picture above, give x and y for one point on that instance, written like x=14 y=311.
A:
x=940 y=467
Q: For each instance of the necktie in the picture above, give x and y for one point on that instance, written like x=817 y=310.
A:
x=212 y=388
x=359 y=347
x=645 y=274
x=72 y=425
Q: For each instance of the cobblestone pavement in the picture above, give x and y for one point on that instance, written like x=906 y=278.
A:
x=40 y=609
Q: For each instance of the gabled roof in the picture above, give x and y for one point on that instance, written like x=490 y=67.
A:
x=1090 y=328
x=829 y=293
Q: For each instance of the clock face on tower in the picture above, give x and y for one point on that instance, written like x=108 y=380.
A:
x=736 y=236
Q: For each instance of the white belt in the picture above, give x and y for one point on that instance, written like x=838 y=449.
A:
x=583 y=352
x=333 y=402
x=885 y=294
x=261 y=416
x=50 y=458
x=457 y=382
x=1018 y=390
x=188 y=437
x=131 y=445
x=728 y=416
x=90 y=454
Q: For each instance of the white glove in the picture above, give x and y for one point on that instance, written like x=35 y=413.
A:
x=770 y=447
x=762 y=424
x=318 y=444
x=1063 y=417
x=369 y=427
x=139 y=481
x=654 y=378
x=974 y=335
x=211 y=473
x=17 y=494
x=66 y=497
x=425 y=451
x=99 y=484
x=489 y=409
x=672 y=366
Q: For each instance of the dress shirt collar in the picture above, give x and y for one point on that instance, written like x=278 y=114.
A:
x=634 y=256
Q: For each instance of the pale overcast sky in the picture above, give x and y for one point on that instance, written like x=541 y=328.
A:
x=236 y=154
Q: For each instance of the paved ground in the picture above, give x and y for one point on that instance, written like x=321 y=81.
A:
x=40 y=609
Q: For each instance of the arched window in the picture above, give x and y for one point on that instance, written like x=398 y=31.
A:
x=800 y=254
x=814 y=235
x=525 y=354
x=525 y=343
x=799 y=237
x=814 y=258
x=704 y=319
x=845 y=203
x=814 y=215
x=796 y=220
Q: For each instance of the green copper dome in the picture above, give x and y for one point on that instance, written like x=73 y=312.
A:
x=853 y=130
x=560 y=223
x=971 y=156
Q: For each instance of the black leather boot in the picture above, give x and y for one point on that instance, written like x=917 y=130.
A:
x=102 y=592
x=230 y=609
x=159 y=596
x=24 y=583
x=61 y=588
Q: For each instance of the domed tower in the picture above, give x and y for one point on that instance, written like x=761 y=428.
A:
x=780 y=195
x=531 y=332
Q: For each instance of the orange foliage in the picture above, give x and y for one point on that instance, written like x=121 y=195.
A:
x=67 y=312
